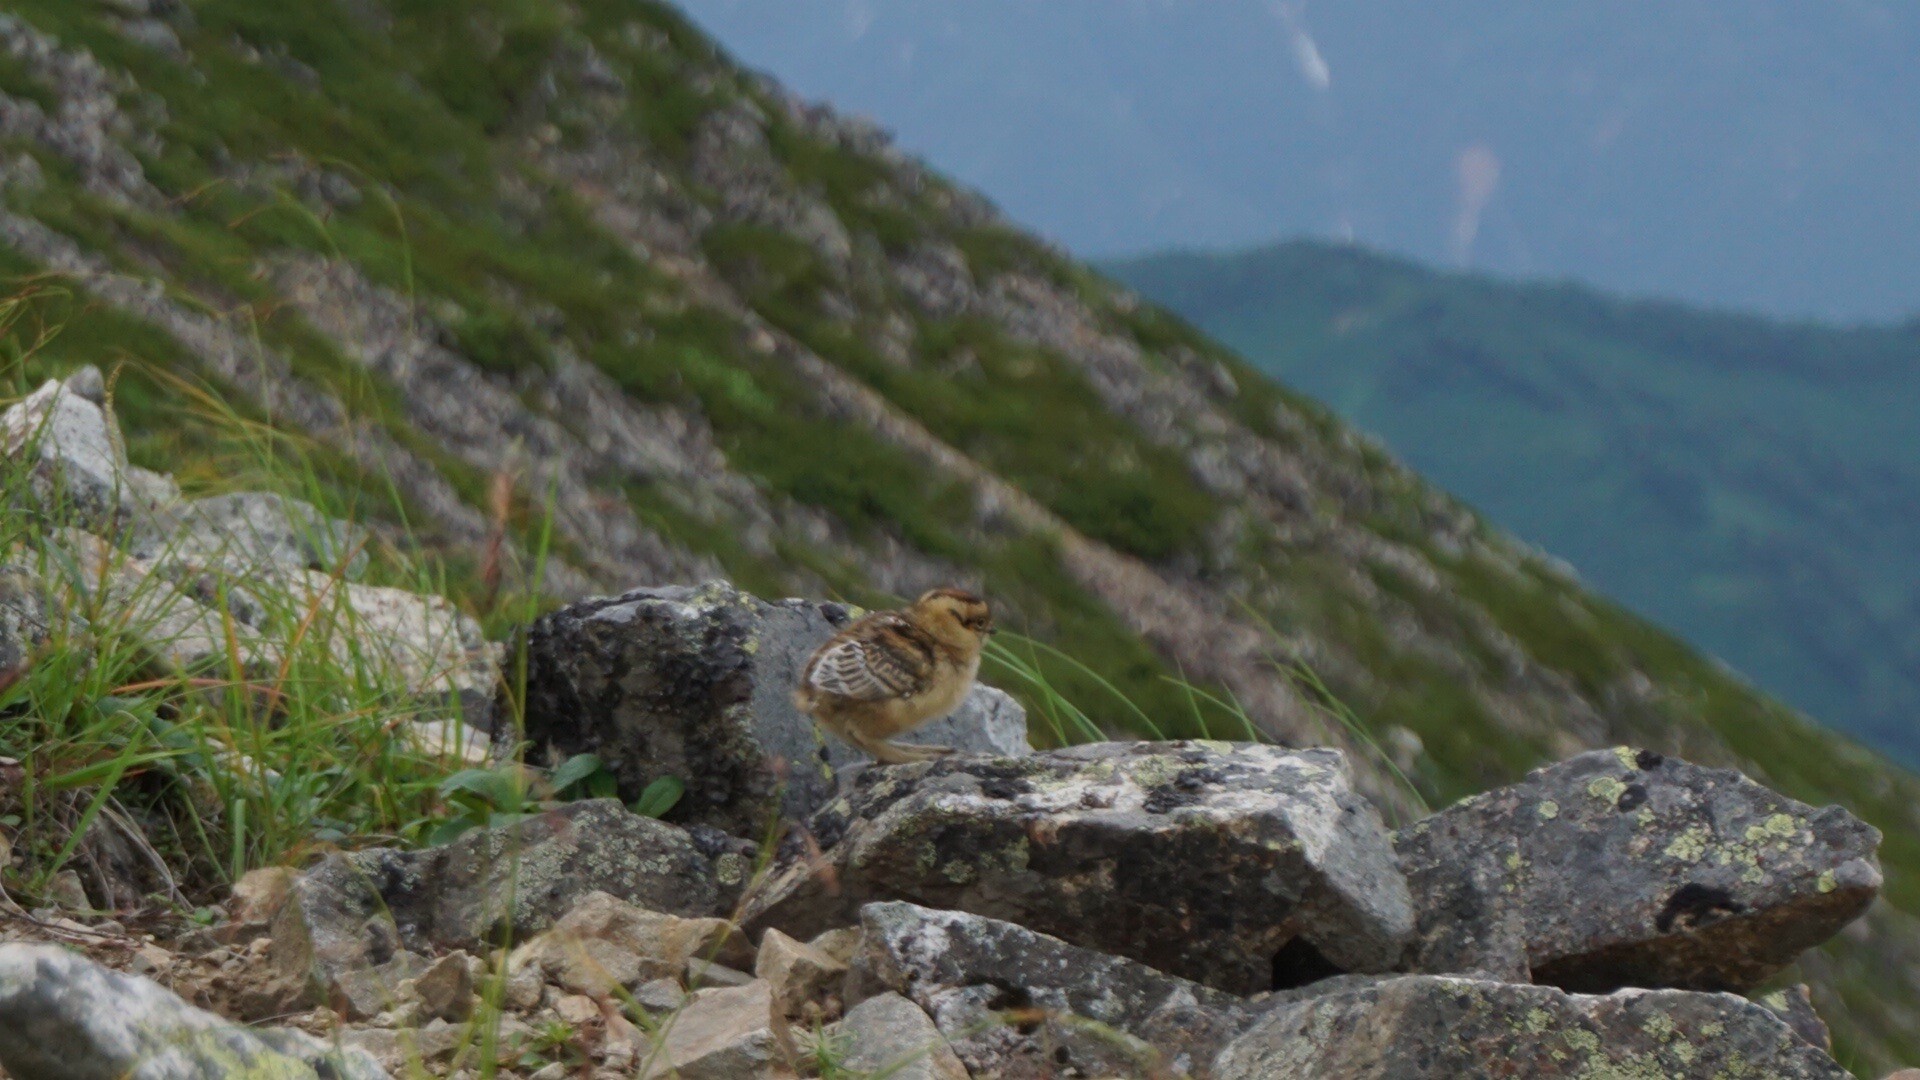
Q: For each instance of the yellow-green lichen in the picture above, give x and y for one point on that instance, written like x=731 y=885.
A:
x=1690 y=845
x=1607 y=789
x=1629 y=758
x=1779 y=827
x=1549 y=810
x=1827 y=882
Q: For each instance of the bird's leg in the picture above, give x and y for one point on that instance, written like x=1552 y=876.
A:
x=917 y=752
x=889 y=753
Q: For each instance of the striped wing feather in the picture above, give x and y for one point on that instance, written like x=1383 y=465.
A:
x=872 y=661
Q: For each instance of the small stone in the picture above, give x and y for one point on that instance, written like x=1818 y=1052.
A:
x=605 y=944
x=150 y=959
x=660 y=995
x=892 y=1036
x=524 y=988
x=361 y=993
x=722 y=1034
x=805 y=980
x=840 y=943
x=576 y=1010
x=702 y=974
x=67 y=892
x=445 y=989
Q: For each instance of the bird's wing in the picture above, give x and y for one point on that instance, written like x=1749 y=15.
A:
x=880 y=659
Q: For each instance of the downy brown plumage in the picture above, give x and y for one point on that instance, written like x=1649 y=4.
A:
x=893 y=671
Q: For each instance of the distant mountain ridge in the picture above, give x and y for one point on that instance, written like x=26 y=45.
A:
x=1752 y=484
x=1761 y=154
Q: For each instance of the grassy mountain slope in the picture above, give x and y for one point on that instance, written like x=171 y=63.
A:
x=1749 y=483
x=560 y=264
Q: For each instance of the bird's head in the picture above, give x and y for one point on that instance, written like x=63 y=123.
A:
x=958 y=618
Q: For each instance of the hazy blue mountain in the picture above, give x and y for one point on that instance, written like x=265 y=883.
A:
x=1763 y=154
x=1752 y=484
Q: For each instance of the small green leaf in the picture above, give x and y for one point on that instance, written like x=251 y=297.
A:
x=448 y=831
x=497 y=790
x=661 y=796
x=574 y=770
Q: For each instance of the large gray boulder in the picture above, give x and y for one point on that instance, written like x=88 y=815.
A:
x=1235 y=865
x=1625 y=868
x=1015 y=1004
x=1419 y=1027
x=356 y=912
x=696 y=683
x=64 y=1017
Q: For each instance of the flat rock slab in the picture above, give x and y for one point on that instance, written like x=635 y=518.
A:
x=1014 y=1004
x=696 y=683
x=1235 y=865
x=1623 y=868
x=252 y=532
x=359 y=910
x=1444 y=1028
x=64 y=1017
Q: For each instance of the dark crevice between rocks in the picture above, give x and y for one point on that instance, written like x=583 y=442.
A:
x=1299 y=964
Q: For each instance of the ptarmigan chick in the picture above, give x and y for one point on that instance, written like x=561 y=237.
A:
x=892 y=671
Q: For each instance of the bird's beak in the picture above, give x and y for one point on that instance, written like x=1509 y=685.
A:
x=992 y=630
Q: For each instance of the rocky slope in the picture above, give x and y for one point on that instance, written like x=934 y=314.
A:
x=561 y=266
x=1186 y=910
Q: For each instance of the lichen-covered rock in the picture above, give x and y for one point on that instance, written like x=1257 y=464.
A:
x=1418 y=1027
x=358 y=910
x=78 y=469
x=1017 y=1005
x=696 y=683
x=64 y=1017
x=1623 y=868
x=1235 y=865
x=253 y=532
